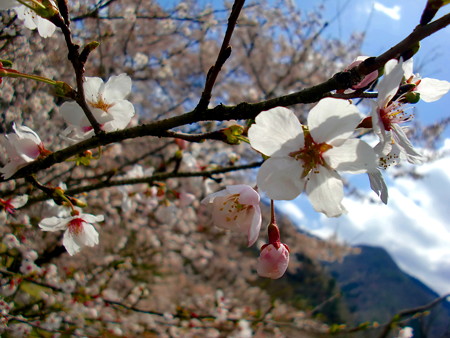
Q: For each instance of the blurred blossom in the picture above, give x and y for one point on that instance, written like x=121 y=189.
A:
x=107 y=103
x=406 y=332
x=10 y=241
x=28 y=267
x=140 y=60
x=79 y=230
x=22 y=146
x=130 y=14
x=236 y=208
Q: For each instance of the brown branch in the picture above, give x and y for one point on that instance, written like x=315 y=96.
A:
x=149 y=180
x=342 y=80
x=224 y=54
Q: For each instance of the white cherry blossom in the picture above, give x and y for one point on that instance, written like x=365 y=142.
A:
x=10 y=205
x=389 y=114
x=32 y=21
x=79 y=230
x=22 y=146
x=308 y=158
x=236 y=208
x=429 y=89
x=107 y=103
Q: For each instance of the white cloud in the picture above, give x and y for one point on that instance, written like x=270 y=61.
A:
x=413 y=227
x=393 y=13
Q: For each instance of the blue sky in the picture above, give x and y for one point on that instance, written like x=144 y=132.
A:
x=414 y=226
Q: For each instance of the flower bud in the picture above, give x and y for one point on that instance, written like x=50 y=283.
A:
x=273 y=262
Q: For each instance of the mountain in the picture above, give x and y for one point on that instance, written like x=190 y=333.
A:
x=375 y=289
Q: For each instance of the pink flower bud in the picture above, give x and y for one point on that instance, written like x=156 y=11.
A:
x=368 y=79
x=273 y=262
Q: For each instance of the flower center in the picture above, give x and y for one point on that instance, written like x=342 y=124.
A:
x=7 y=205
x=311 y=154
x=394 y=113
x=101 y=104
x=232 y=207
x=76 y=226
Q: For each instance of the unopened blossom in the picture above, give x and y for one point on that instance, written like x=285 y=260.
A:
x=236 y=208
x=106 y=102
x=22 y=146
x=388 y=114
x=274 y=257
x=430 y=90
x=368 y=79
x=309 y=158
x=79 y=230
x=11 y=204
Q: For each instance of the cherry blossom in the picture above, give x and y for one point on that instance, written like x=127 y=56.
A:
x=22 y=146
x=236 y=208
x=429 y=89
x=10 y=205
x=308 y=158
x=274 y=256
x=79 y=230
x=107 y=103
x=31 y=20
x=388 y=114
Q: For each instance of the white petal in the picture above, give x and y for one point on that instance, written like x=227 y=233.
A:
x=73 y=114
x=280 y=178
x=408 y=68
x=26 y=133
x=54 y=223
x=255 y=227
x=121 y=112
x=19 y=201
x=333 y=119
x=247 y=195
x=378 y=185
x=326 y=191
x=88 y=218
x=390 y=82
x=273 y=128
x=87 y=237
x=431 y=89
x=92 y=87
x=354 y=156
x=45 y=27
x=117 y=88
x=405 y=145
x=70 y=244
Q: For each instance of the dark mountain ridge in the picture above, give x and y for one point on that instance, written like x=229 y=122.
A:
x=374 y=288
